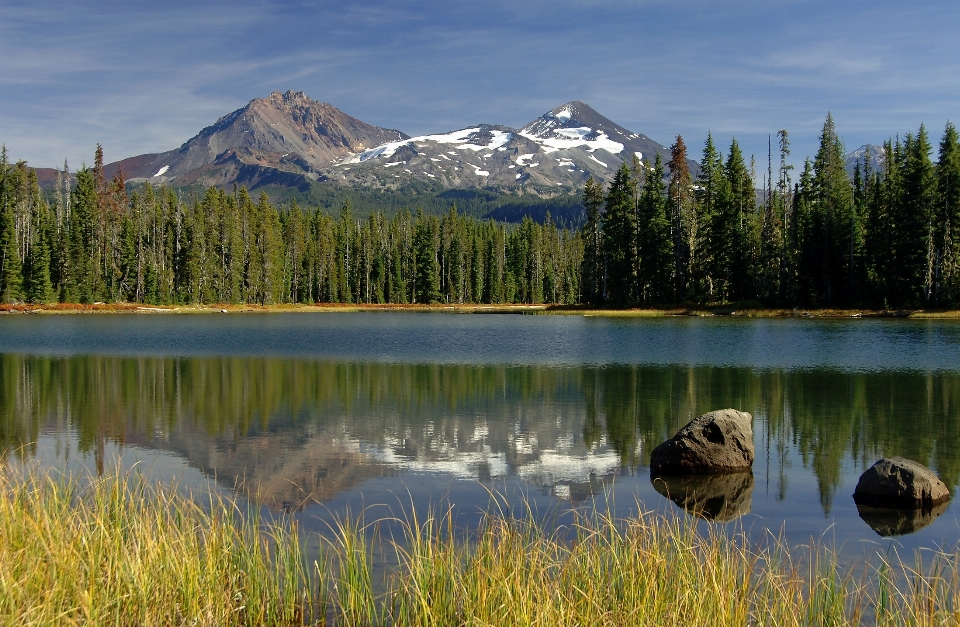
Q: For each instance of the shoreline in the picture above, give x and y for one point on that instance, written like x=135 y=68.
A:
x=541 y=309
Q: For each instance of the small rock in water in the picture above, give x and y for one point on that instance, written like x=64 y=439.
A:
x=900 y=483
x=716 y=442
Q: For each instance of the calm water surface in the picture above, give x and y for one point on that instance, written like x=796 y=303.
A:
x=317 y=414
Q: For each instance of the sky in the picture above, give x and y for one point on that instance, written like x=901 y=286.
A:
x=141 y=77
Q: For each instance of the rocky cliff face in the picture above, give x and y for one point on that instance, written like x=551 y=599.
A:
x=286 y=132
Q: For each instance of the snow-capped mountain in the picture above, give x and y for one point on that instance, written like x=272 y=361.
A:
x=878 y=159
x=560 y=149
x=288 y=140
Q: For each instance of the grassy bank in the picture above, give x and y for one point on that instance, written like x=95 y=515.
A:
x=120 y=551
x=543 y=309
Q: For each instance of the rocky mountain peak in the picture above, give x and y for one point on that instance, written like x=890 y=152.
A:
x=289 y=139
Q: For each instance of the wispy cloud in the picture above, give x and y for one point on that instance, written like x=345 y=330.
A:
x=143 y=78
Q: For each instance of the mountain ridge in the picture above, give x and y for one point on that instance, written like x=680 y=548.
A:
x=290 y=141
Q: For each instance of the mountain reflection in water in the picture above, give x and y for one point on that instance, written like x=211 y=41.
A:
x=297 y=431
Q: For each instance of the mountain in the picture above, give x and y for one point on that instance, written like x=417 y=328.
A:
x=878 y=159
x=281 y=139
x=561 y=148
x=289 y=142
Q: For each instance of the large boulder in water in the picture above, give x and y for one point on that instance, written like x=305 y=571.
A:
x=900 y=483
x=717 y=442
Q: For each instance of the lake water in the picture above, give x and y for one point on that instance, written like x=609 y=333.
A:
x=320 y=414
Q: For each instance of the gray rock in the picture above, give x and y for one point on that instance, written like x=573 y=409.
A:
x=887 y=521
x=716 y=442
x=900 y=483
x=720 y=498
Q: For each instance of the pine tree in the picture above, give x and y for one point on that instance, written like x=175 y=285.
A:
x=592 y=272
x=686 y=222
x=708 y=194
x=295 y=240
x=655 y=277
x=81 y=266
x=948 y=216
x=834 y=218
x=619 y=239
x=728 y=245
x=426 y=244
x=39 y=288
x=11 y=273
x=784 y=199
x=914 y=241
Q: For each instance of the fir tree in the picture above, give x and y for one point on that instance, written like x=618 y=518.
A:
x=655 y=280
x=834 y=220
x=11 y=272
x=619 y=239
x=709 y=193
x=39 y=288
x=948 y=216
x=686 y=223
x=592 y=272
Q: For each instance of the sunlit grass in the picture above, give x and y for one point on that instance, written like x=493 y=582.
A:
x=119 y=550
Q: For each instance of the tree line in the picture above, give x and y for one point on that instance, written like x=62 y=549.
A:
x=655 y=236
x=96 y=244
x=884 y=237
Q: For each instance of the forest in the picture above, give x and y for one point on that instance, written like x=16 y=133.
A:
x=654 y=237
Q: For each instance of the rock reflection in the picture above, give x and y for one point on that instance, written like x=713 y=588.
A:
x=720 y=498
x=888 y=521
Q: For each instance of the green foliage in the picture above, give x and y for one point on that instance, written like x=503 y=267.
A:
x=651 y=238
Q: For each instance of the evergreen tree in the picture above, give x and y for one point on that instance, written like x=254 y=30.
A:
x=426 y=242
x=592 y=233
x=81 y=241
x=39 y=288
x=655 y=280
x=709 y=194
x=619 y=239
x=11 y=273
x=686 y=222
x=834 y=221
x=948 y=217
x=914 y=239
x=770 y=246
x=728 y=245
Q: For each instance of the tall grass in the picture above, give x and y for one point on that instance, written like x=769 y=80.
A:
x=117 y=550
x=120 y=551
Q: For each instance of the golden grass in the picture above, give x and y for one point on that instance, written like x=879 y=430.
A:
x=119 y=551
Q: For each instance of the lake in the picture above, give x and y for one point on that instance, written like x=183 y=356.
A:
x=316 y=415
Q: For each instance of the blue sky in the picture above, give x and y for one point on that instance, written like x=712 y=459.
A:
x=145 y=77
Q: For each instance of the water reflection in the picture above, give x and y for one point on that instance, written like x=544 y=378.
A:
x=888 y=521
x=720 y=498
x=294 y=431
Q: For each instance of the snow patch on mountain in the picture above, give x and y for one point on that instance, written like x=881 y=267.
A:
x=474 y=139
x=567 y=138
x=162 y=171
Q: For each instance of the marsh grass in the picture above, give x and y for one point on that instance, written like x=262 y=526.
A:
x=118 y=550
